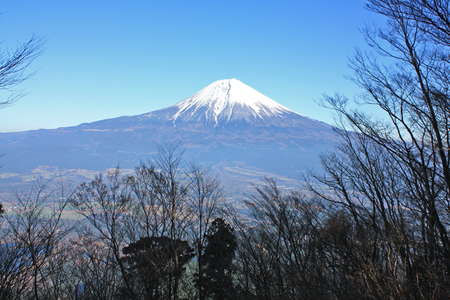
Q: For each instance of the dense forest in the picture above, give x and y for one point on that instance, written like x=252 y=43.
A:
x=373 y=225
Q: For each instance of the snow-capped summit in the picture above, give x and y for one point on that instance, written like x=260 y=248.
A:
x=230 y=103
x=228 y=100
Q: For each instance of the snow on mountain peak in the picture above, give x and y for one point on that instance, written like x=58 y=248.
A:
x=226 y=100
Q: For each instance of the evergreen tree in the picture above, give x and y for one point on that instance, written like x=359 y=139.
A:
x=155 y=265
x=217 y=282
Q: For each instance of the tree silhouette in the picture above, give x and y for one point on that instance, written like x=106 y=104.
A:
x=154 y=264
x=13 y=67
x=392 y=173
x=217 y=282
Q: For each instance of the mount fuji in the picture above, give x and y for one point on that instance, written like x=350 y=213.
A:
x=227 y=125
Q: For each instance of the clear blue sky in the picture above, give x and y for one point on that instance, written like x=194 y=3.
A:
x=104 y=59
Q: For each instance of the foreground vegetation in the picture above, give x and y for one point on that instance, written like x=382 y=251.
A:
x=167 y=233
x=374 y=226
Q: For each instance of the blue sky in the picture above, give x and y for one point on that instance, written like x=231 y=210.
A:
x=105 y=59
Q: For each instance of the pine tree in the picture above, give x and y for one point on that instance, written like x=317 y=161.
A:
x=217 y=281
x=156 y=264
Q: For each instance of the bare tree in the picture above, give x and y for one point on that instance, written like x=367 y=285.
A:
x=157 y=208
x=392 y=175
x=205 y=198
x=278 y=257
x=93 y=270
x=15 y=267
x=14 y=66
x=104 y=204
x=33 y=233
